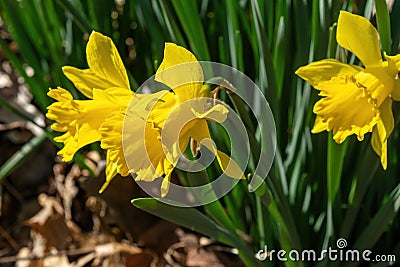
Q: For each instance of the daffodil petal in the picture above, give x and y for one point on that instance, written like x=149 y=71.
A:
x=60 y=94
x=175 y=56
x=380 y=146
x=346 y=108
x=181 y=71
x=105 y=67
x=319 y=125
x=217 y=113
x=104 y=60
x=116 y=96
x=359 y=36
x=394 y=70
x=393 y=65
x=227 y=164
x=181 y=119
x=396 y=90
x=165 y=185
x=324 y=70
x=382 y=131
x=111 y=172
x=86 y=80
x=200 y=131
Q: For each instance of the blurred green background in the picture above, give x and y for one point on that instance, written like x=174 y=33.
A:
x=317 y=191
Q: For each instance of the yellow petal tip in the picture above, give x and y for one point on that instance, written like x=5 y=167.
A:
x=104 y=187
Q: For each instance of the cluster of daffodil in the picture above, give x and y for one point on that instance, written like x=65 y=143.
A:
x=111 y=103
x=356 y=100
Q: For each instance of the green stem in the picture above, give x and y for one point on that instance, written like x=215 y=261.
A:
x=260 y=222
x=285 y=210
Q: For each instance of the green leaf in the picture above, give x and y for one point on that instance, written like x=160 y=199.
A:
x=363 y=178
x=379 y=223
x=20 y=156
x=171 y=24
x=336 y=155
x=383 y=21
x=36 y=86
x=79 y=19
x=214 y=209
x=185 y=216
x=234 y=37
x=332 y=44
x=194 y=220
x=395 y=27
x=188 y=15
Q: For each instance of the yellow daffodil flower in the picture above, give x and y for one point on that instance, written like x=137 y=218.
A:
x=102 y=117
x=156 y=131
x=356 y=100
x=106 y=84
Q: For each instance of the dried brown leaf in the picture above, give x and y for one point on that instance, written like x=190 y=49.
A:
x=50 y=223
